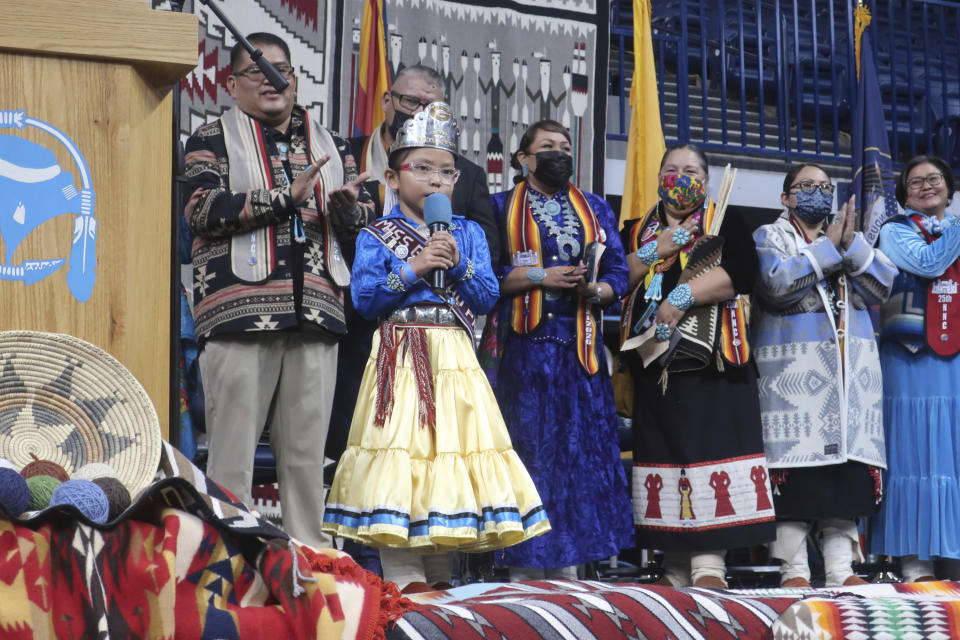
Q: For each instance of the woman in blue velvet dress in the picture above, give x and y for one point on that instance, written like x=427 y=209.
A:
x=553 y=384
x=920 y=338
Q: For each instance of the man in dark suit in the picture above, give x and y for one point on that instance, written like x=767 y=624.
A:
x=413 y=89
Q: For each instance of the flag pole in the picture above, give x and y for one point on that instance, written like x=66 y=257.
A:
x=645 y=141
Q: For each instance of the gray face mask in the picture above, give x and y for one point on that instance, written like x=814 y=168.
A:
x=813 y=207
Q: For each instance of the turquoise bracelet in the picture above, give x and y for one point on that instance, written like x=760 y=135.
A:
x=647 y=253
x=681 y=297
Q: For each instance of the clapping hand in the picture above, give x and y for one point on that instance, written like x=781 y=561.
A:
x=343 y=198
x=849 y=221
x=303 y=186
x=841 y=230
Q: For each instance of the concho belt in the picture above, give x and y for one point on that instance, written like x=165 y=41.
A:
x=424 y=314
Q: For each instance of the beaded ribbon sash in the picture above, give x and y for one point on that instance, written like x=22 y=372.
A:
x=523 y=236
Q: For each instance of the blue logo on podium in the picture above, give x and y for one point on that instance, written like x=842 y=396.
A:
x=33 y=189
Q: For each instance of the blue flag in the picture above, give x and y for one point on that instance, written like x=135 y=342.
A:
x=873 y=180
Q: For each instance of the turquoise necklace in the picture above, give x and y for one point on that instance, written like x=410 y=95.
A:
x=545 y=210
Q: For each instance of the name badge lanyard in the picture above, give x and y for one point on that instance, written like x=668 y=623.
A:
x=296 y=220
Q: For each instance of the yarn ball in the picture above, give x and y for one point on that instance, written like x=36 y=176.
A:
x=45 y=468
x=6 y=464
x=41 y=490
x=85 y=496
x=117 y=495
x=14 y=494
x=94 y=470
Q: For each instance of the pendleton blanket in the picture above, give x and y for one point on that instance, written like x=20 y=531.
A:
x=607 y=611
x=875 y=611
x=184 y=561
x=589 y=610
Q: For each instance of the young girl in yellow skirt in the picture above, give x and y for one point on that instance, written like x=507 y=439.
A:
x=429 y=466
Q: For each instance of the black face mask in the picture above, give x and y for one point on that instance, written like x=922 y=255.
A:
x=554 y=168
x=399 y=117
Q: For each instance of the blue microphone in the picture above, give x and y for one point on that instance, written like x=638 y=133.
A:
x=437 y=213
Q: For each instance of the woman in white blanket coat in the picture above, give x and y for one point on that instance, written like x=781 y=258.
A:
x=820 y=384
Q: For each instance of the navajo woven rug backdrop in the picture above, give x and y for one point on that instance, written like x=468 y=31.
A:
x=308 y=26
x=506 y=65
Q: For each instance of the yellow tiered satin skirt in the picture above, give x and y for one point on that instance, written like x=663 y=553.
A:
x=458 y=485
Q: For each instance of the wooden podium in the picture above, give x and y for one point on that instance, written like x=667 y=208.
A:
x=86 y=107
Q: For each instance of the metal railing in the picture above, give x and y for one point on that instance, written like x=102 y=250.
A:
x=777 y=77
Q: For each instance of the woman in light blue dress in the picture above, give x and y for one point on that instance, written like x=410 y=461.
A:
x=919 y=520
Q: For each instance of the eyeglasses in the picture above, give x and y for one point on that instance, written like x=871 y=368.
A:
x=254 y=73
x=934 y=180
x=423 y=172
x=410 y=103
x=808 y=186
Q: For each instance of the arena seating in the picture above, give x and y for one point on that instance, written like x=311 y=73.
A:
x=793 y=60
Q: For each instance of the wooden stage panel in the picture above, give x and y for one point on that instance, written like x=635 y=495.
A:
x=115 y=104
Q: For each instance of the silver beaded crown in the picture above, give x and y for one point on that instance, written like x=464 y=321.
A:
x=433 y=127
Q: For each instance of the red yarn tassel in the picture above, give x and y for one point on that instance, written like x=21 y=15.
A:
x=877 y=476
x=386 y=372
x=778 y=476
x=416 y=338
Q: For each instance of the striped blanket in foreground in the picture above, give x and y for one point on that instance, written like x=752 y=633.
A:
x=582 y=610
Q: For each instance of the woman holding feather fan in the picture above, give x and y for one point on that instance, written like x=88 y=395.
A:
x=699 y=476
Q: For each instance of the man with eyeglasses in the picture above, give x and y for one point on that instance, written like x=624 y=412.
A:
x=272 y=195
x=413 y=89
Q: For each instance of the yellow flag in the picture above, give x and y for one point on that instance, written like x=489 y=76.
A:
x=645 y=143
x=372 y=78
